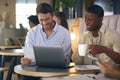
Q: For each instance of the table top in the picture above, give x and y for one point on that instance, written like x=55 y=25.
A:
x=10 y=47
x=3 y=69
x=47 y=72
x=13 y=52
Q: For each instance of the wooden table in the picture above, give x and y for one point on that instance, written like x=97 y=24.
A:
x=14 y=54
x=33 y=71
x=9 y=47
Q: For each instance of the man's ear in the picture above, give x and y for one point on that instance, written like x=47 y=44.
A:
x=101 y=19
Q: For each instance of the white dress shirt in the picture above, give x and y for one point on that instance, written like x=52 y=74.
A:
x=59 y=37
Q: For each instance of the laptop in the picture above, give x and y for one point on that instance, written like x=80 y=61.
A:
x=45 y=56
x=21 y=41
x=50 y=56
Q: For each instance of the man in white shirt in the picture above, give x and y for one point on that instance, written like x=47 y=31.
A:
x=47 y=33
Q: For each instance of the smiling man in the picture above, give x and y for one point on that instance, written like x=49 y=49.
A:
x=103 y=42
x=47 y=33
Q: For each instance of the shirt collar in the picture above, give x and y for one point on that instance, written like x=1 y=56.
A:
x=103 y=28
x=55 y=29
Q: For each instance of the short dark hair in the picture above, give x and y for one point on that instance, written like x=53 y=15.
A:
x=95 y=9
x=44 y=8
x=33 y=19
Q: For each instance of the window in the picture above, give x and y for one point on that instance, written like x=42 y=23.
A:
x=24 y=8
x=107 y=5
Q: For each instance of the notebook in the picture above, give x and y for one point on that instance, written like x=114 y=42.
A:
x=29 y=53
x=49 y=56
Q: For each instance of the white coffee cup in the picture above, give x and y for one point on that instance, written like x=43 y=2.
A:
x=82 y=49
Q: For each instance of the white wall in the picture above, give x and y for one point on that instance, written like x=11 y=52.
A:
x=8 y=12
x=46 y=1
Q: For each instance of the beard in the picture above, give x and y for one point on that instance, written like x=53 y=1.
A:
x=48 y=26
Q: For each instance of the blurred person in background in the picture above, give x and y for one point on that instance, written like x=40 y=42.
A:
x=60 y=18
x=33 y=20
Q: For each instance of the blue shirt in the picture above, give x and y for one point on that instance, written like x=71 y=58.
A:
x=59 y=37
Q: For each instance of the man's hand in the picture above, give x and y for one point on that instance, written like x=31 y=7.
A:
x=25 y=61
x=96 y=49
x=108 y=69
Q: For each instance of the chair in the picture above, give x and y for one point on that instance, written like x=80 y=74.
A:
x=3 y=69
x=112 y=22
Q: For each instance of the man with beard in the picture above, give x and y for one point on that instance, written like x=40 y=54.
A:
x=103 y=43
x=47 y=33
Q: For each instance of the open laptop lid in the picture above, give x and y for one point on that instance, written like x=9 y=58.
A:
x=21 y=41
x=47 y=56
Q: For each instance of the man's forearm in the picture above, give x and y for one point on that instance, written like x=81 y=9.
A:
x=113 y=55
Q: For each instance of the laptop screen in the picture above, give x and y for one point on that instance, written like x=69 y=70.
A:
x=49 y=56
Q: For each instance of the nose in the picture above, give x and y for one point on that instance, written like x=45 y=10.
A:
x=44 y=22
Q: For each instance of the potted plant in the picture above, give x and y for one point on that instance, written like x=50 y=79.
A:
x=64 y=4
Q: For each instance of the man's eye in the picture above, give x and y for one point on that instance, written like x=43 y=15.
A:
x=46 y=19
x=41 y=20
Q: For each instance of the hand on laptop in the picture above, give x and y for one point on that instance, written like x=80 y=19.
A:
x=25 y=60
